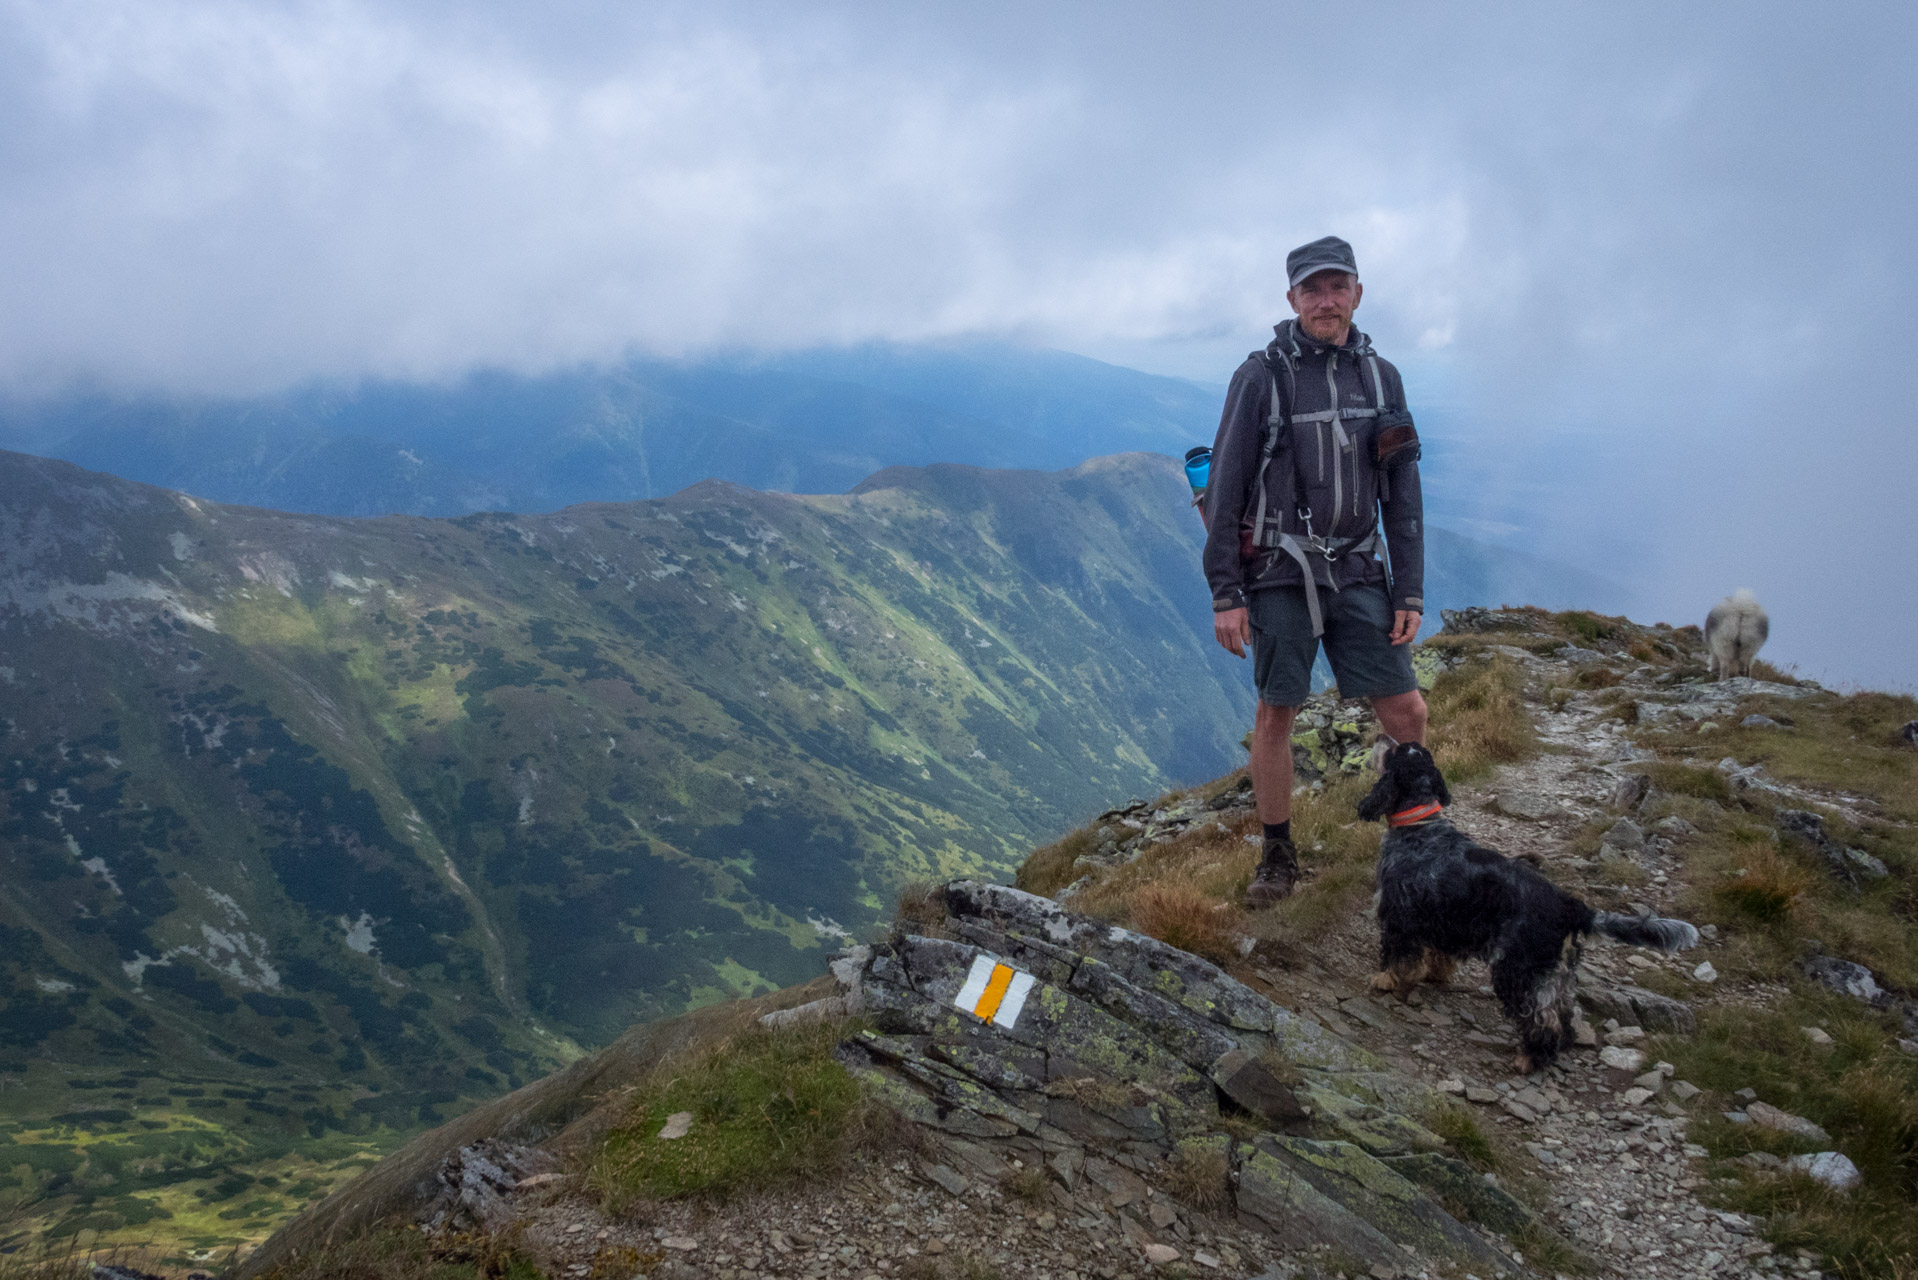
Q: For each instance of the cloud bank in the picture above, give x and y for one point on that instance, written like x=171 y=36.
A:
x=1647 y=266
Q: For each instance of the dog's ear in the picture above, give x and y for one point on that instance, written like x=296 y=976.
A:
x=1380 y=747
x=1382 y=799
x=1444 y=792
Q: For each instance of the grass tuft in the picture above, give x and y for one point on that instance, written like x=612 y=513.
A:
x=1768 y=891
x=1479 y=719
x=921 y=903
x=1197 y=1176
x=768 y=1107
x=1181 y=916
x=1459 y=1126
x=1048 y=869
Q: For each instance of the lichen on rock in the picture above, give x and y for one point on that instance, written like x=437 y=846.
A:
x=1125 y=1057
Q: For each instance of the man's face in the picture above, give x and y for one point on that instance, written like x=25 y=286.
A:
x=1325 y=301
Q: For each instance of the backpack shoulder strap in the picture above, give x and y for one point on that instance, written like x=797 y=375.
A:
x=1265 y=517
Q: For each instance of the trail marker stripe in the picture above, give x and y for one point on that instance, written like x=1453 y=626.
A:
x=1015 y=1000
x=994 y=992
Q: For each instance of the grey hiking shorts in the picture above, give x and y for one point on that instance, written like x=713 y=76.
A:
x=1358 y=644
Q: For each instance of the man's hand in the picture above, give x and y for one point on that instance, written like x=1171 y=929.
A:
x=1405 y=625
x=1233 y=627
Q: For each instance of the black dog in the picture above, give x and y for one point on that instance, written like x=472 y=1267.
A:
x=1444 y=898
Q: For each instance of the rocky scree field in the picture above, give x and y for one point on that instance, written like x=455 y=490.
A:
x=315 y=831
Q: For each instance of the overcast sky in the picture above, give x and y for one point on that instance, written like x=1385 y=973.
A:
x=1652 y=261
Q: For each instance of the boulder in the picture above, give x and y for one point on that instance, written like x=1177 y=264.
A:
x=1833 y=1168
x=1623 y=839
x=1533 y=806
x=1631 y=793
x=1637 y=1006
x=1766 y=1116
x=1846 y=978
x=1843 y=861
x=1029 y=1032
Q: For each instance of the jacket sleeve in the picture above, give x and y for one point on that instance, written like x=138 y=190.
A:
x=1235 y=460
x=1403 y=512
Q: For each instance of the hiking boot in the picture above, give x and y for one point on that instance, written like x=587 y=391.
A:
x=1277 y=876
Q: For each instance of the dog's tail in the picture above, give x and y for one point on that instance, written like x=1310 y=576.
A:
x=1646 y=931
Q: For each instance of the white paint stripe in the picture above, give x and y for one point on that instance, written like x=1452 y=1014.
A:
x=1015 y=1001
x=975 y=988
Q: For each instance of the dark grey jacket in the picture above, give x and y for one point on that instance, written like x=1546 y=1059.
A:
x=1344 y=484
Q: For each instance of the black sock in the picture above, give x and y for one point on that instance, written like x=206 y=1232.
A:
x=1279 y=830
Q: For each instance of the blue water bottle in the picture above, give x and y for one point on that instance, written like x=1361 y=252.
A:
x=1198 y=471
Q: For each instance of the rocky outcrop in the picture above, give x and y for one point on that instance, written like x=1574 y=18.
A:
x=1029 y=1033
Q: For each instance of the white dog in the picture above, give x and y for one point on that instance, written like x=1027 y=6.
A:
x=1735 y=631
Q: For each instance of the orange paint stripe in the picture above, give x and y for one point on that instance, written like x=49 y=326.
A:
x=995 y=992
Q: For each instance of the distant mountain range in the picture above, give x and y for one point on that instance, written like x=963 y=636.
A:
x=814 y=423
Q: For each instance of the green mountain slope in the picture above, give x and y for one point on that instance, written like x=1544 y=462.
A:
x=371 y=816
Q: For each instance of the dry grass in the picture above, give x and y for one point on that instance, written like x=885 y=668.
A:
x=1479 y=719
x=922 y=905
x=1181 y=916
x=1028 y=1184
x=1197 y=1175
x=1048 y=869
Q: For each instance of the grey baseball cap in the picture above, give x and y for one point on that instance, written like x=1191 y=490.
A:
x=1330 y=253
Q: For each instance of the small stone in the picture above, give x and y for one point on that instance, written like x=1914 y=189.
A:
x=1652 y=1081
x=1748 y=1093
x=1638 y=961
x=677 y=1125
x=1761 y=1160
x=1620 y=1058
x=684 y=1244
x=1451 y=1086
x=1908 y=1046
x=1757 y=722
x=1161 y=1254
x=1205 y=1259
x=1673 y=827
x=935 y=1246
x=1705 y=972
x=1636 y=1097
x=1625 y=1035
x=1833 y=1168
x=1817 y=1035
x=1541 y=1153
x=1161 y=1214
x=1684 y=1090
x=1584 y=1034
x=1476 y=1093
x=1519 y=1110
x=939 y=1173
x=1709 y=932
x=1766 y=1116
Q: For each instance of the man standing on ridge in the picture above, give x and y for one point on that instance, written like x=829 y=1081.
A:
x=1315 y=443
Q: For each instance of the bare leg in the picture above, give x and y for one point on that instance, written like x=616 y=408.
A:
x=1402 y=715
x=1272 y=762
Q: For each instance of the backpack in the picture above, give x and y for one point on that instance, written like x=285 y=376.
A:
x=1395 y=443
